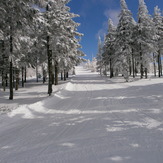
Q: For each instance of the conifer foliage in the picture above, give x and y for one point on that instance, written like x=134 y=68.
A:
x=37 y=33
x=131 y=47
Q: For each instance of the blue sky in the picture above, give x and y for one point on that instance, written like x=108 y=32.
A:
x=94 y=16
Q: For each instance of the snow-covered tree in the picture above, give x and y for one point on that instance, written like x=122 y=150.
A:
x=109 y=51
x=99 y=56
x=62 y=38
x=91 y=65
x=145 y=40
x=130 y=46
x=32 y=37
x=158 y=23
x=15 y=14
x=123 y=40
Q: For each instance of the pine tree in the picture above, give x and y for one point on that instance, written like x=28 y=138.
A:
x=145 y=40
x=123 y=39
x=158 y=22
x=109 y=45
x=99 y=55
x=62 y=43
x=15 y=15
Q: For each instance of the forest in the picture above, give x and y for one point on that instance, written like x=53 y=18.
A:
x=37 y=33
x=131 y=47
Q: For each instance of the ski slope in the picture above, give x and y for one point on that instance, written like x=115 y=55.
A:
x=90 y=120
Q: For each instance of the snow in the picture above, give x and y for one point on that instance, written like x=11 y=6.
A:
x=89 y=119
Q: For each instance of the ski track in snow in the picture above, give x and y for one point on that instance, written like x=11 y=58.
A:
x=90 y=120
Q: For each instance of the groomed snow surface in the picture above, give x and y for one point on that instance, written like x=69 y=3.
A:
x=89 y=119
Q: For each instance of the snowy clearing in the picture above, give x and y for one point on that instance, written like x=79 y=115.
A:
x=90 y=120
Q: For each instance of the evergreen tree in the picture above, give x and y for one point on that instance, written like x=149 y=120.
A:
x=158 y=23
x=145 y=40
x=15 y=15
x=62 y=43
x=99 y=56
x=109 y=45
x=123 y=40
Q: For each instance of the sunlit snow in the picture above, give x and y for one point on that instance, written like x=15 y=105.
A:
x=88 y=119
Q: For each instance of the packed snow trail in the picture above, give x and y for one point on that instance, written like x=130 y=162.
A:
x=91 y=120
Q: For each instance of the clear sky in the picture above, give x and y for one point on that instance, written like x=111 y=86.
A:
x=94 y=16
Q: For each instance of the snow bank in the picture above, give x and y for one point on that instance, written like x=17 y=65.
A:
x=69 y=86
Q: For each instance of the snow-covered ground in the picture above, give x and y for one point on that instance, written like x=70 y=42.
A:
x=31 y=93
x=88 y=120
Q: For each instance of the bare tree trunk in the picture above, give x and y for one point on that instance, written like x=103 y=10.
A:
x=25 y=74
x=154 y=65
x=159 y=64
x=6 y=78
x=13 y=78
x=49 y=54
x=141 y=56
x=44 y=79
x=17 y=80
x=67 y=75
x=49 y=71
x=22 y=76
x=56 y=73
x=146 y=72
x=53 y=78
x=136 y=67
x=11 y=67
x=133 y=64
x=111 y=69
x=130 y=67
x=2 y=78
x=36 y=71
x=105 y=70
x=4 y=66
x=44 y=74
x=64 y=75
x=3 y=81
x=141 y=71
x=141 y=64
x=11 y=81
x=61 y=75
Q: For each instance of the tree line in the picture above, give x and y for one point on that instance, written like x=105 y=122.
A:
x=130 y=47
x=37 y=33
